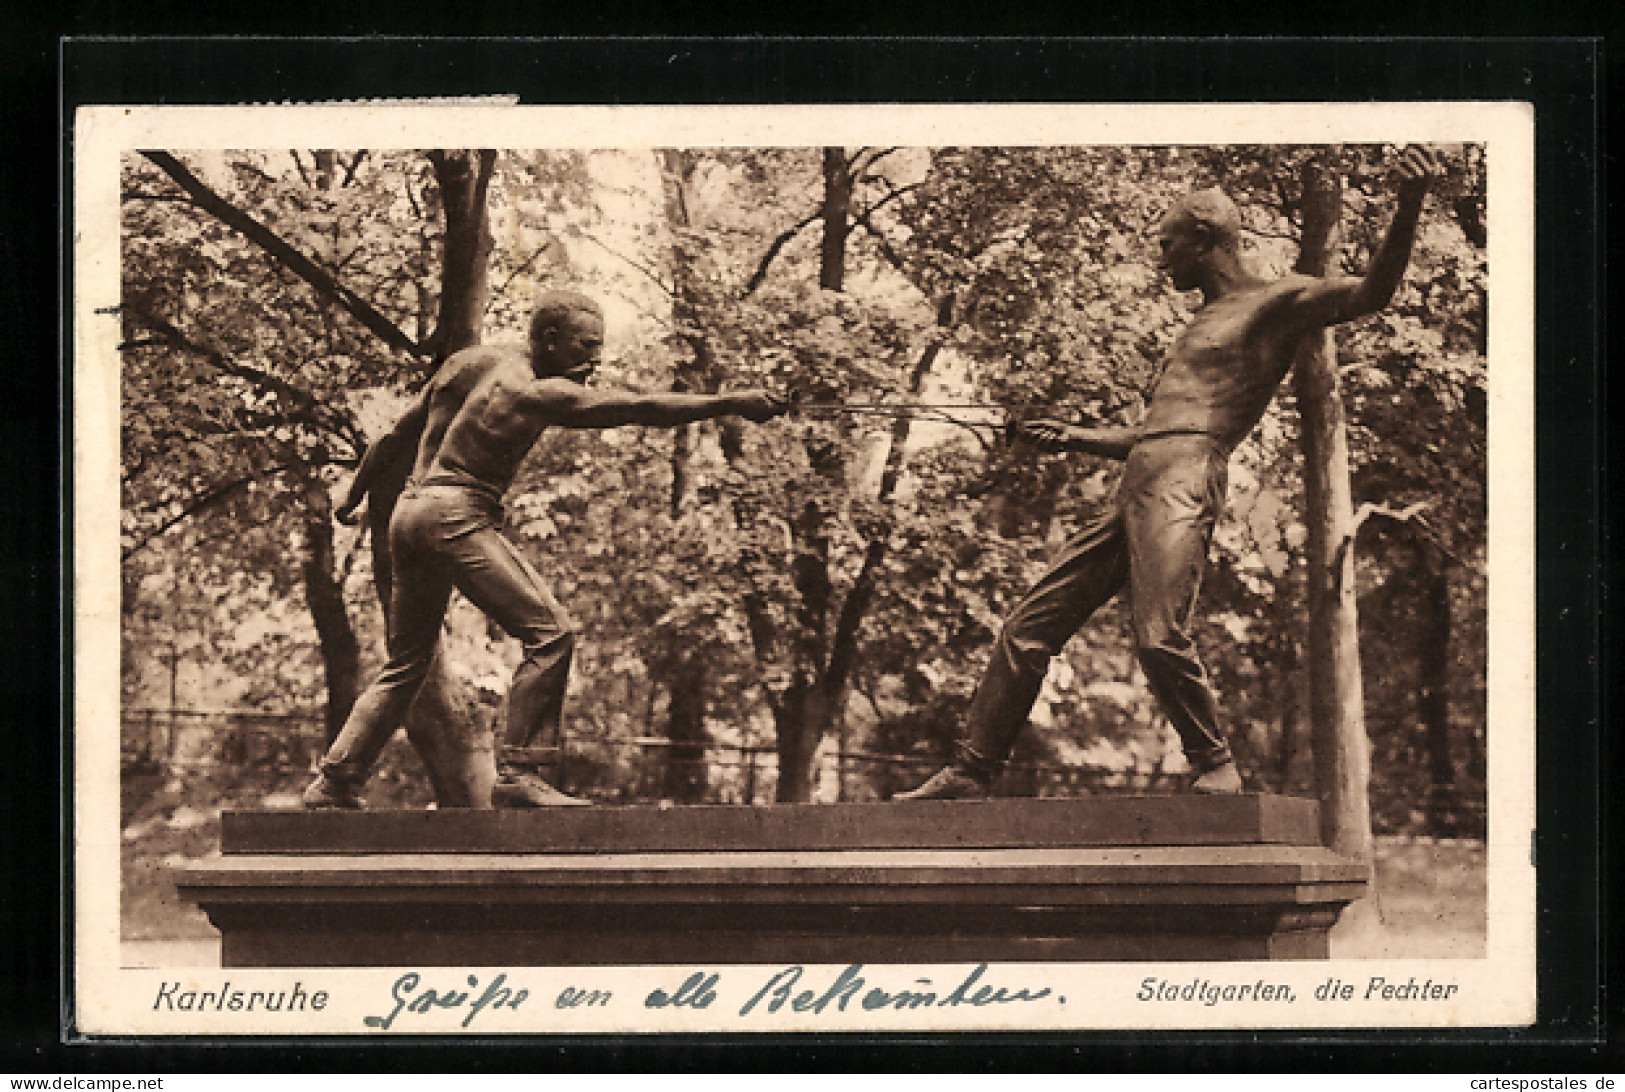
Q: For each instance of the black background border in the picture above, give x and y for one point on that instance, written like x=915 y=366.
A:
x=1563 y=78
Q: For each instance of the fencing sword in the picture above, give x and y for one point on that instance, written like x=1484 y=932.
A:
x=942 y=412
x=947 y=413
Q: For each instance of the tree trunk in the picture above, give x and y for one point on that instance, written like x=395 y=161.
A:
x=685 y=673
x=1443 y=804
x=795 y=724
x=324 y=175
x=323 y=595
x=823 y=701
x=695 y=372
x=464 y=178
x=1285 y=674
x=686 y=774
x=1337 y=714
x=809 y=705
x=823 y=661
x=798 y=722
x=457 y=751
x=837 y=217
x=341 y=652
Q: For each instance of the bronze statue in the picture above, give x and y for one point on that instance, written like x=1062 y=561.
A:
x=1221 y=374
x=469 y=431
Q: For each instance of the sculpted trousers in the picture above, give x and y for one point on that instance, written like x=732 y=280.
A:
x=443 y=537
x=1155 y=538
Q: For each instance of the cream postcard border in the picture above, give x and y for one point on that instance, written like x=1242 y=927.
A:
x=1498 y=990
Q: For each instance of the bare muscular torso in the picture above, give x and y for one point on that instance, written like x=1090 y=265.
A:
x=484 y=417
x=1224 y=368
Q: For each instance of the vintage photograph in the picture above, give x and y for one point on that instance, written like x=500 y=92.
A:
x=780 y=569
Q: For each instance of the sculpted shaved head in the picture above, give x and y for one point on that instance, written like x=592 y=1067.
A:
x=1214 y=210
x=557 y=307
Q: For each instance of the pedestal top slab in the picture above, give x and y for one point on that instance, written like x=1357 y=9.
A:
x=1138 y=820
x=907 y=873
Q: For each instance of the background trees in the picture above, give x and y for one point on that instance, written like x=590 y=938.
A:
x=829 y=583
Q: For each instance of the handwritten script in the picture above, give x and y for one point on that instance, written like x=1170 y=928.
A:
x=785 y=989
x=410 y=998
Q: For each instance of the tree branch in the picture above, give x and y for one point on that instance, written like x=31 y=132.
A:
x=639 y=266
x=1410 y=515
x=887 y=251
x=891 y=195
x=1285 y=236
x=1470 y=215
x=173 y=198
x=761 y=639
x=144 y=343
x=482 y=176
x=1402 y=515
x=350 y=168
x=843 y=647
x=412 y=197
x=300 y=402
x=773 y=249
x=1288 y=201
x=520 y=268
x=282 y=251
x=198 y=503
x=879 y=154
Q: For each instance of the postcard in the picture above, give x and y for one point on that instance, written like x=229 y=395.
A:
x=558 y=570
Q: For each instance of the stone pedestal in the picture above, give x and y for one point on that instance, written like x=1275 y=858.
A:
x=1097 y=878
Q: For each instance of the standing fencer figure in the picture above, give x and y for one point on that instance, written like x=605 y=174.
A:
x=467 y=434
x=1220 y=376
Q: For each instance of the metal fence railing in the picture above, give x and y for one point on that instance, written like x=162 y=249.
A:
x=183 y=743
x=182 y=740
x=189 y=741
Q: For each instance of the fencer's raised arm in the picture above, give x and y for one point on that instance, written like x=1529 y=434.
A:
x=1340 y=299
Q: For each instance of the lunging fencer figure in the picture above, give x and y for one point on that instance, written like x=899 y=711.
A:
x=1219 y=378
x=467 y=434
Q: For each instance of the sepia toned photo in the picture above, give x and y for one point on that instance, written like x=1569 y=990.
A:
x=546 y=570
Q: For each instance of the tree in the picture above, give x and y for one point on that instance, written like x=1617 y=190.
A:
x=1413 y=379
x=285 y=413
x=1342 y=754
x=809 y=641
x=191 y=445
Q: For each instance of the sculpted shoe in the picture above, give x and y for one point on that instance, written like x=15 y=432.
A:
x=328 y=793
x=520 y=790
x=1222 y=780
x=949 y=783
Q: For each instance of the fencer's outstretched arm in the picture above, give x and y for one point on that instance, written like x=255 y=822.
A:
x=1107 y=441
x=570 y=405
